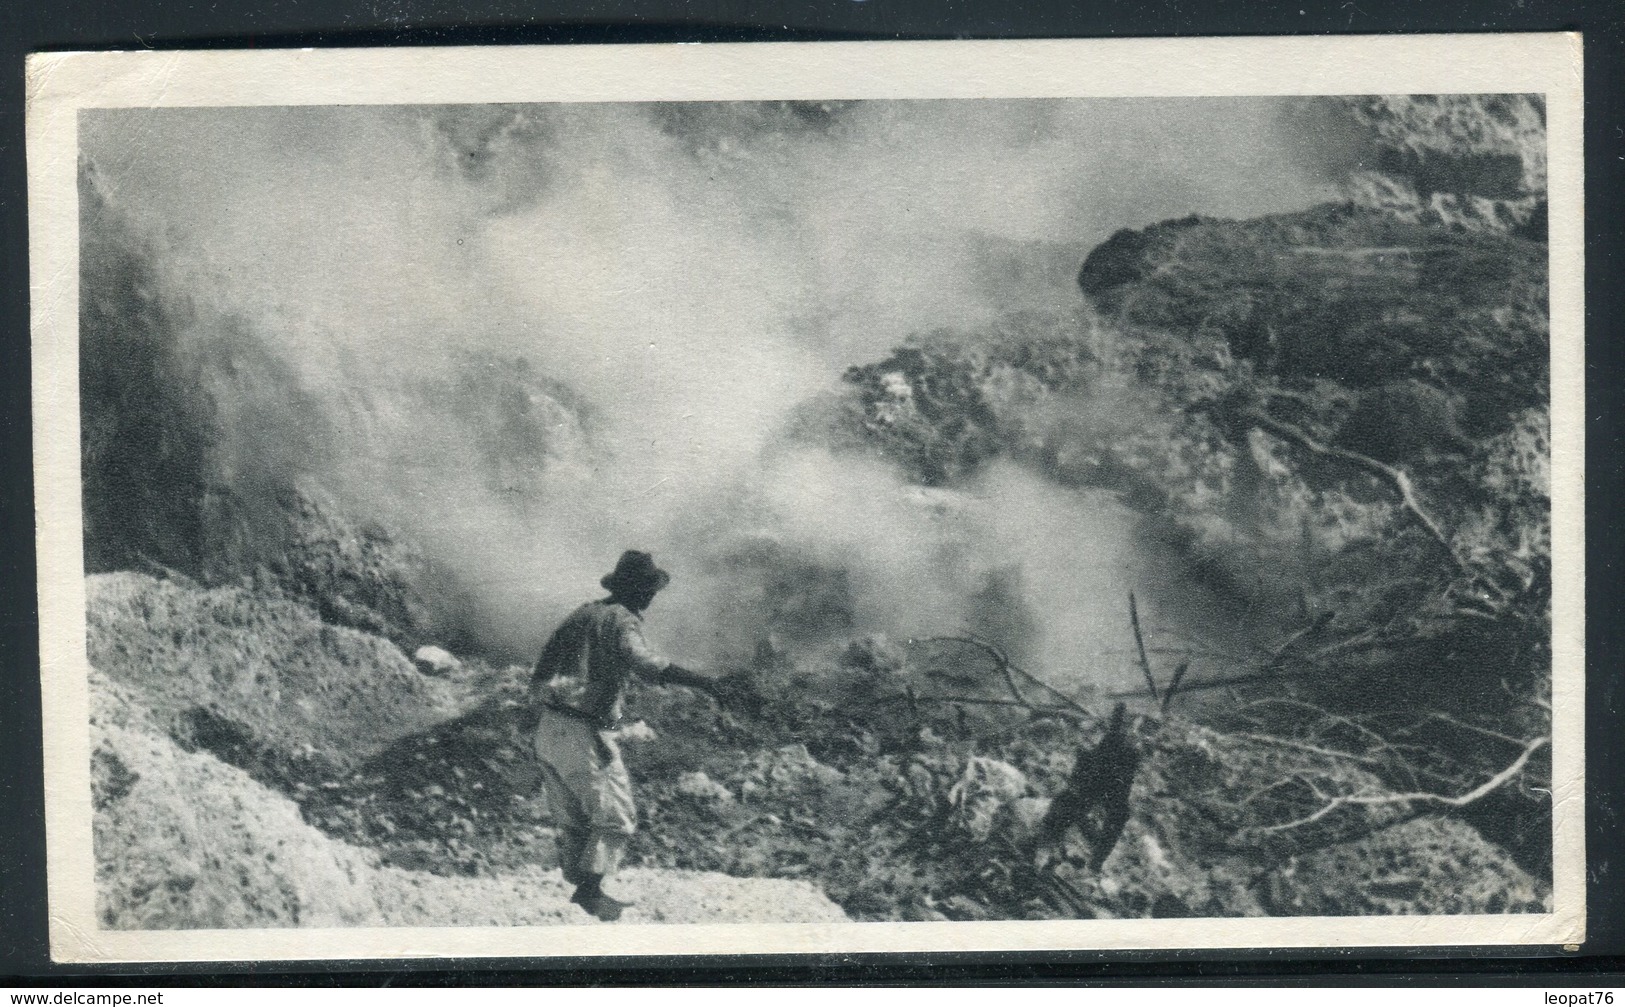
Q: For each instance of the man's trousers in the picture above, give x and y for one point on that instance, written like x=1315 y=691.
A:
x=589 y=793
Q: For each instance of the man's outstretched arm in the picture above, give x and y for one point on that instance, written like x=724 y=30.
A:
x=735 y=690
x=676 y=674
x=651 y=667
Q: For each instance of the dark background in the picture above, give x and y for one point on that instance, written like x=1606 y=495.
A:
x=128 y=24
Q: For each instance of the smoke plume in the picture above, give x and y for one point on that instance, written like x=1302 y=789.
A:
x=538 y=335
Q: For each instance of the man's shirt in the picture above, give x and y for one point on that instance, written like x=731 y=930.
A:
x=589 y=659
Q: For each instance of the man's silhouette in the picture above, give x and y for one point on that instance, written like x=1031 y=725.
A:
x=578 y=687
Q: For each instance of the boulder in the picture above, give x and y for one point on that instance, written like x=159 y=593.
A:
x=702 y=788
x=986 y=786
x=1468 y=162
x=432 y=660
x=233 y=671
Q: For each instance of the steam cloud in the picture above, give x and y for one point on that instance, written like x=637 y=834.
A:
x=663 y=285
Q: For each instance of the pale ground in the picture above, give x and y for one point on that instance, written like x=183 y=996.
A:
x=184 y=840
x=192 y=842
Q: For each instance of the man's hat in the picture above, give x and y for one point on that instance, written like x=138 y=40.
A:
x=635 y=572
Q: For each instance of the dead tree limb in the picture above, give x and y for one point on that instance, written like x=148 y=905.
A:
x=1007 y=667
x=1222 y=683
x=1057 y=693
x=1442 y=718
x=1220 y=655
x=1301 y=746
x=1035 y=707
x=1394 y=477
x=1277 y=655
x=1139 y=643
x=1326 y=716
x=1305 y=664
x=1001 y=660
x=1173 y=685
x=1457 y=801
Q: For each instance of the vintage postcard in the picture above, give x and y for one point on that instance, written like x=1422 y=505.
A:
x=829 y=497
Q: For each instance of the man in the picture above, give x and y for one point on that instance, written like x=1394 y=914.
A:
x=578 y=688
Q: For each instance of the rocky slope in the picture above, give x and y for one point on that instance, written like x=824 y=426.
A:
x=185 y=841
x=905 y=807
x=193 y=685
x=1338 y=417
x=1469 y=162
x=850 y=785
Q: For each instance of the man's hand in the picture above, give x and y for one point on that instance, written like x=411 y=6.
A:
x=738 y=691
x=676 y=674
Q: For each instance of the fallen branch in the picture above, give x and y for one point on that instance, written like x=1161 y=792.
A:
x=1035 y=707
x=1003 y=661
x=1270 y=739
x=1057 y=693
x=1370 y=639
x=1534 y=701
x=1298 y=778
x=1173 y=685
x=1007 y=666
x=1139 y=643
x=1320 y=623
x=1378 y=742
x=1220 y=683
x=1457 y=801
x=1393 y=476
x=1486 y=732
x=1276 y=674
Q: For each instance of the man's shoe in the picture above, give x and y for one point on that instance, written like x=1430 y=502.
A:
x=606 y=907
x=591 y=897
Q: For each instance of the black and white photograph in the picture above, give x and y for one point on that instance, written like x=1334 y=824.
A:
x=781 y=513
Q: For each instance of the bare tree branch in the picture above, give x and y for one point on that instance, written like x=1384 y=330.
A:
x=1368 y=639
x=1173 y=685
x=1268 y=788
x=1393 y=476
x=1003 y=661
x=1486 y=732
x=1320 y=623
x=1007 y=666
x=1222 y=655
x=1221 y=683
x=915 y=698
x=1301 y=746
x=1139 y=642
x=1377 y=740
x=1530 y=699
x=1457 y=801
